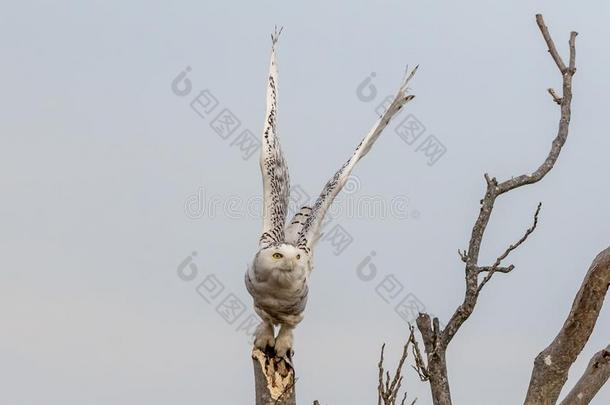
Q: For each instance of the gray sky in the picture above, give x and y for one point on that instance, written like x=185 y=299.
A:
x=99 y=156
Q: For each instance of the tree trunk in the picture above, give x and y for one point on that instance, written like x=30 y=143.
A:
x=273 y=379
x=439 y=383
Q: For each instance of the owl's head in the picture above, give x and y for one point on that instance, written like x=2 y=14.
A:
x=285 y=260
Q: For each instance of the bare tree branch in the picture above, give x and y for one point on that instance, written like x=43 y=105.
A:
x=564 y=122
x=555 y=96
x=463 y=255
x=572 y=44
x=549 y=41
x=495 y=189
x=594 y=377
x=388 y=389
x=528 y=232
x=499 y=269
x=420 y=365
x=553 y=363
x=436 y=340
x=504 y=255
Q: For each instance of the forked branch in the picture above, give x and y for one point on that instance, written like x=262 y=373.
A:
x=389 y=387
x=493 y=268
x=436 y=340
x=495 y=189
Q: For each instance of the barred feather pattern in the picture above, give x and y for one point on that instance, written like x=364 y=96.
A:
x=279 y=275
x=276 y=180
x=311 y=228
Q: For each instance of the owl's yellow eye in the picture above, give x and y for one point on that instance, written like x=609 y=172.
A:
x=298 y=257
x=277 y=255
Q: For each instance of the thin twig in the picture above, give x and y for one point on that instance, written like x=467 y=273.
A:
x=500 y=269
x=420 y=366
x=380 y=386
x=550 y=43
x=555 y=96
x=572 y=43
x=389 y=387
x=512 y=247
x=463 y=255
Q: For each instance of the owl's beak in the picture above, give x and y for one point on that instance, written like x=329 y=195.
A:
x=289 y=265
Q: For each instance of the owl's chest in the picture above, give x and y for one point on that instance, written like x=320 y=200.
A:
x=280 y=305
x=280 y=286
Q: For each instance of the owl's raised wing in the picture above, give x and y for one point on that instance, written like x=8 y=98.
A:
x=310 y=231
x=276 y=181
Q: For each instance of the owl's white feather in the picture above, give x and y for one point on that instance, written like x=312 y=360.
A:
x=310 y=231
x=276 y=181
x=295 y=227
x=279 y=275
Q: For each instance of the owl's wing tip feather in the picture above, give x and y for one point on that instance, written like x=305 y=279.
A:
x=276 y=34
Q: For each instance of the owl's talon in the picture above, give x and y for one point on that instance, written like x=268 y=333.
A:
x=283 y=351
x=264 y=337
x=264 y=343
x=283 y=342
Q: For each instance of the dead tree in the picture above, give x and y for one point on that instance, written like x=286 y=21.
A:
x=552 y=364
x=275 y=378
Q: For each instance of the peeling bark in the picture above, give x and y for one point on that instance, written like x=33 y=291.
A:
x=274 y=379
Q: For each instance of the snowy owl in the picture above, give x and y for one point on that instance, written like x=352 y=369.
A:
x=278 y=278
